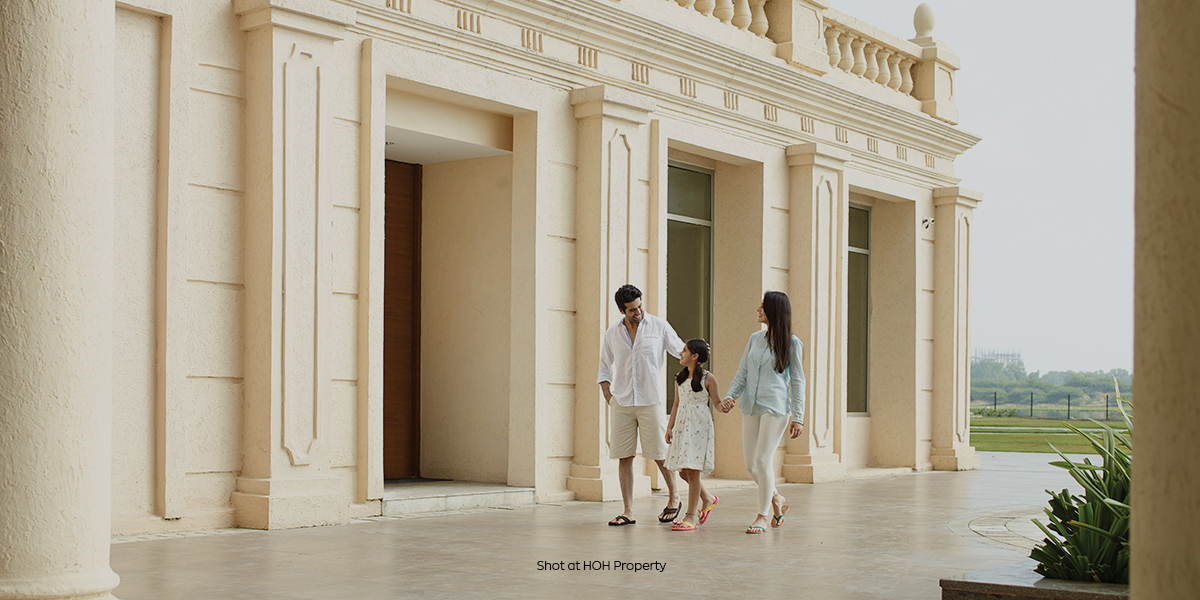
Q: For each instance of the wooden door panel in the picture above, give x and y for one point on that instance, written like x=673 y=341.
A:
x=402 y=321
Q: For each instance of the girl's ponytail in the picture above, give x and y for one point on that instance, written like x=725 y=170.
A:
x=698 y=347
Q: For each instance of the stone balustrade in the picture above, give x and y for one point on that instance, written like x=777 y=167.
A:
x=888 y=63
x=839 y=45
x=746 y=15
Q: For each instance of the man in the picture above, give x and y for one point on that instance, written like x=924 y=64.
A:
x=630 y=375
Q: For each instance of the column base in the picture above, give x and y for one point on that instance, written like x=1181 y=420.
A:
x=813 y=468
x=601 y=484
x=954 y=459
x=287 y=504
x=92 y=585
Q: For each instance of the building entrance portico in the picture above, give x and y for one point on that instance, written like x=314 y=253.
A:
x=448 y=184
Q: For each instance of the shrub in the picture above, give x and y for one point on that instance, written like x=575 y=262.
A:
x=990 y=412
x=1087 y=538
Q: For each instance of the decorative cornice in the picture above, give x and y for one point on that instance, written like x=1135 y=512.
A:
x=611 y=102
x=956 y=195
x=322 y=19
x=631 y=37
x=817 y=154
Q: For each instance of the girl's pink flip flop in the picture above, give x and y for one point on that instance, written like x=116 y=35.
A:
x=704 y=513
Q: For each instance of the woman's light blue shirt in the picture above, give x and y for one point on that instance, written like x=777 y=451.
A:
x=760 y=385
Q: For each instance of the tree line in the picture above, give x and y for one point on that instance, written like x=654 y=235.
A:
x=1010 y=384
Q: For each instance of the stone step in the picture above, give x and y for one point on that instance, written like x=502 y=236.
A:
x=437 y=496
x=1018 y=581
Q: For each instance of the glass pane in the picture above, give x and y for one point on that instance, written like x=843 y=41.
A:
x=689 y=288
x=860 y=228
x=689 y=193
x=856 y=333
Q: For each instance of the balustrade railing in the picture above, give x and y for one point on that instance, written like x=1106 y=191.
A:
x=920 y=69
x=867 y=56
x=746 y=15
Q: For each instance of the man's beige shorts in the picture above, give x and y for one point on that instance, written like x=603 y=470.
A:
x=628 y=422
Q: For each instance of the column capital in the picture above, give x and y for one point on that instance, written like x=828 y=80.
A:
x=957 y=195
x=817 y=154
x=322 y=19
x=616 y=103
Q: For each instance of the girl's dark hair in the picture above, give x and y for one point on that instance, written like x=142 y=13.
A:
x=778 y=309
x=700 y=349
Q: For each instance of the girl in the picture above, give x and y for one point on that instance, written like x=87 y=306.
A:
x=690 y=432
x=770 y=375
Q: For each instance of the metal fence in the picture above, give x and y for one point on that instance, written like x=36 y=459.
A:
x=1071 y=409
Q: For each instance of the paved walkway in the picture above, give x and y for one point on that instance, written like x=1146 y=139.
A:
x=891 y=537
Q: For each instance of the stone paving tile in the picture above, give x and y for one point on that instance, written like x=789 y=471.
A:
x=875 y=538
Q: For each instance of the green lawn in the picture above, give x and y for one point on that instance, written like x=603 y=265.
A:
x=1027 y=422
x=1033 y=442
x=1026 y=440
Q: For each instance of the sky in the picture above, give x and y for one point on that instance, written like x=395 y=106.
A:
x=1049 y=86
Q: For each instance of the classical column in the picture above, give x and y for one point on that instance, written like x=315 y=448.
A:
x=1166 y=355
x=817 y=288
x=953 y=210
x=56 y=311
x=286 y=478
x=613 y=143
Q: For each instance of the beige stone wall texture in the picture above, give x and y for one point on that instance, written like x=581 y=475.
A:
x=247 y=313
x=1166 y=309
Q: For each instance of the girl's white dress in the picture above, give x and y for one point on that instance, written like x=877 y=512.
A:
x=692 y=438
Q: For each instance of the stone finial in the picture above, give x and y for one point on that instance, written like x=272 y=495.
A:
x=923 y=21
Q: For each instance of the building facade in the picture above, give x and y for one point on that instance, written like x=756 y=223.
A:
x=358 y=241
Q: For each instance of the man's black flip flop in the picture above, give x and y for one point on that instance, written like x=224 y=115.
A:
x=621 y=520
x=669 y=514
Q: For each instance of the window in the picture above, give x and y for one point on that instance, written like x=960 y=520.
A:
x=858 y=310
x=689 y=258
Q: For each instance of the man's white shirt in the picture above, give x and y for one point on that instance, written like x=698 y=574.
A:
x=633 y=367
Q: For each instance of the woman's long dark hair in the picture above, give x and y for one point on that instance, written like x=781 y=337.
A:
x=778 y=309
x=700 y=349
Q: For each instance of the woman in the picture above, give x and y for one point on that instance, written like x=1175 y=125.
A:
x=772 y=380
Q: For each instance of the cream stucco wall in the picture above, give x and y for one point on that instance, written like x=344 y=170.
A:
x=135 y=209
x=465 y=326
x=1166 y=312
x=893 y=354
x=178 y=277
x=740 y=223
x=857 y=441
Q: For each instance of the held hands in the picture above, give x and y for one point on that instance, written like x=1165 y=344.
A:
x=726 y=405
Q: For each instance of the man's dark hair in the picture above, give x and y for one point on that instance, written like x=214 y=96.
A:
x=627 y=294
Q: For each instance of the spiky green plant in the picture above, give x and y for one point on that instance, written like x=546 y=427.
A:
x=1087 y=538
